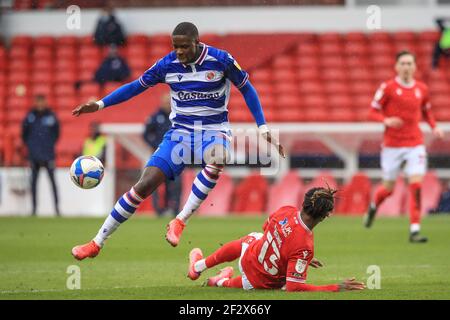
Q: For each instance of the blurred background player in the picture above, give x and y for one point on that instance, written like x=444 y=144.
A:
x=40 y=132
x=155 y=128
x=95 y=144
x=280 y=257
x=199 y=77
x=442 y=47
x=400 y=104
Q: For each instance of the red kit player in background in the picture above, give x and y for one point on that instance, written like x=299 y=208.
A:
x=280 y=257
x=401 y=103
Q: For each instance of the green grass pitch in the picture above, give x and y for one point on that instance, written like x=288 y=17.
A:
x=137 y=263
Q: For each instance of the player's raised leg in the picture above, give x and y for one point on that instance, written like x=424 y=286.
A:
x=228 y=252
x=203 y=183
x=380 y=195
x=124 y=208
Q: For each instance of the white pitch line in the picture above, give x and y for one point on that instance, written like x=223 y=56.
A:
x=66 y=290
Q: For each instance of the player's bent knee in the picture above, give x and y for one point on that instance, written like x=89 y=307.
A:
x=150 y=179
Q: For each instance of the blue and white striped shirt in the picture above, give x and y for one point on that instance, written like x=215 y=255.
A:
x=199 y=91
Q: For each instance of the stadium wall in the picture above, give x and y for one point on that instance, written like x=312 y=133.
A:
x=15 y=195
x=228 y=19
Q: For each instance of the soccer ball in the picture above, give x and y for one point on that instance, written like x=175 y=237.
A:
x=87 y=172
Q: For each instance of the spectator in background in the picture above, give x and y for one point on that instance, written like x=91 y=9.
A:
x=95 y=144
x=108 y=30
x=443 y=45
x=113 y=68
x=444 y=201
x=155 y=128
x=40 y=131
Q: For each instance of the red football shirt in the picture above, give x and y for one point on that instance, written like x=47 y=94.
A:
x=410 y=103
x=282 y=254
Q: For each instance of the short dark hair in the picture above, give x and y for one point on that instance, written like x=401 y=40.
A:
x=404 y=53
x=319 y=202
x=186 y=29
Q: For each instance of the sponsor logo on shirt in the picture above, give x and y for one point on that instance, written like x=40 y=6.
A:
x=300 y=266
x=186 y=96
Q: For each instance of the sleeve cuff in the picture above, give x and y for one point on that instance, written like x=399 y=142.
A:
x=263 y=129
x=101 y=104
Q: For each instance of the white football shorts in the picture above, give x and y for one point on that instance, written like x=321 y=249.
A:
x=246 y=285
x=413 y=160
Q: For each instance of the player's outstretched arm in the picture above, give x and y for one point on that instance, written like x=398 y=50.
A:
x=125 y=92
x=254 y=105
x=347 y=285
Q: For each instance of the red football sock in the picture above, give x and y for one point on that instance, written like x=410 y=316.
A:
x=233 y=282
x=381 y=195
x=228 y=252
x=414 y=202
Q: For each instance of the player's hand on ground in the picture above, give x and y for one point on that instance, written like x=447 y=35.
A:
x=351 y=284
x=438 y=133
x=274 y=142
x=89 y=107
x=316 y=263
x=393 y=122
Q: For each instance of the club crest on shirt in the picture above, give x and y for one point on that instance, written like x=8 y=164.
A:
x=210 y=75
x=180 y=76
x=399 y=91
x=418 y=93
x=283 y=222
x=300 y=266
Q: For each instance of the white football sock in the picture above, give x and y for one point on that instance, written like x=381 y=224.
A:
x=200 y=265
x=221 y=281
x=203 y=184
x=414 y=227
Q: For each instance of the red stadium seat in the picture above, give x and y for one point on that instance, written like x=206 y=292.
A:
x=19 y=65
x=89 y=65
x=18 y=77
x=40 y=77
x=65 y=89
x=42 y=89
x=379 y=37
x=332 y=61
x=306 y=49
x=336 y=88
x=324 y=179
x=404 y=36
x=286 y=192
x=356 y=49
x=261 y=75
x=138 y=39
x=66 y=64
x=42 y=53
x=336 y=74
x=44 y=41
x=43 y=65
x=308 y=74
x=311 y=88
x=329 y=37
x=70 y=41
x=330 y=49
x=91 y=89
x=22 y=41
x=89 y=52
x=65 y=76
x=66 y=52
x=307 y=62
x=355 y=37
x=250 y=195
x=383 y=61
x=354 y=198
x=283 y=62
x=19 y=53
x=288 y=87
x=428 y=36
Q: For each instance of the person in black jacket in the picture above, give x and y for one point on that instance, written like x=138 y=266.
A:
x=155 y=128
x=113 y=68
x=108 y=30
x=40 y=131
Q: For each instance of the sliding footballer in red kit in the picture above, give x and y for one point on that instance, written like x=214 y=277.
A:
x=278 y=258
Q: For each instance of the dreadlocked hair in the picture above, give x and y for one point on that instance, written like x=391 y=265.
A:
x=319 y=202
